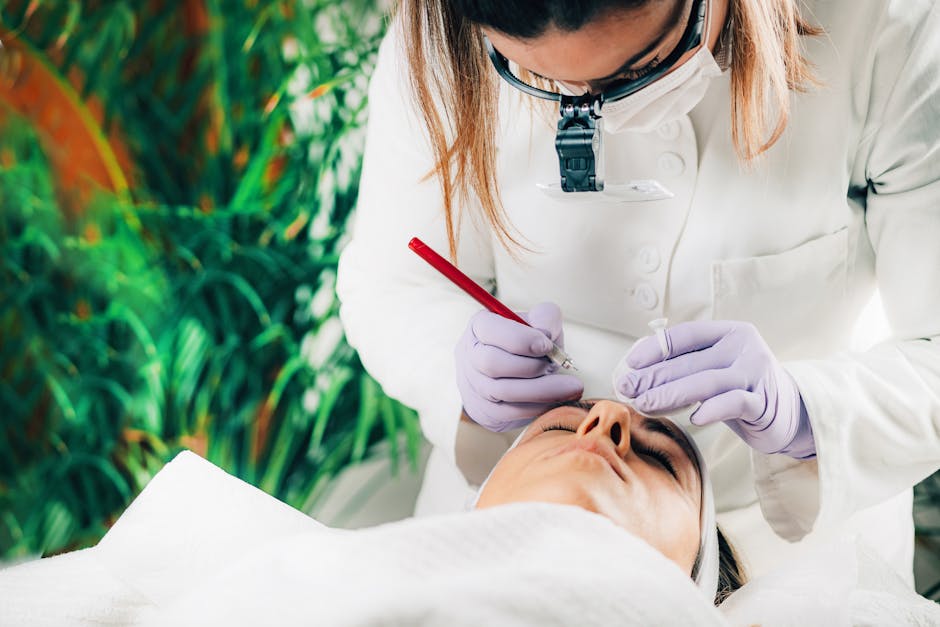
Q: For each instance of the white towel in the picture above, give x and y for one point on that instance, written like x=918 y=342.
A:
x=525 y=564
x=833 y=582
x=199 y=547
x=192 y=520
x=70 y=589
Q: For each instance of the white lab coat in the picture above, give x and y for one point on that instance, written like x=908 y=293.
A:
x=848 y=200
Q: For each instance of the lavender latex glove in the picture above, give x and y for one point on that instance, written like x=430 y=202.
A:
x=503 y=376
x=727 y=366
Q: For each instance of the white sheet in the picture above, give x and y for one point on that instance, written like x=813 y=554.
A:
x=839 y=583
x=201 y=547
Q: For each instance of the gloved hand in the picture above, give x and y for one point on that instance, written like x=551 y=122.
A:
x=503 y=376
x=728 y=367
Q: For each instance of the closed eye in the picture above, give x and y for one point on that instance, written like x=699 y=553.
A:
x=559 y=427
x=658 y=456
x=637 y=74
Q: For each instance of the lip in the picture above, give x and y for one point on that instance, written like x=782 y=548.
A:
x=596 y=448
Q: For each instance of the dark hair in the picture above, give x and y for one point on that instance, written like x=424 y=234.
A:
x=731 y=575
x=530 y=19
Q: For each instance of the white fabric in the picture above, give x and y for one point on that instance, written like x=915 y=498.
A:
x=213 y=517
x=521 y=564
x=746 y=526
x=838 y=583
x=848 y=200
x=200 y=547
x=72 y=589
x=707 y=576
x=666 y=100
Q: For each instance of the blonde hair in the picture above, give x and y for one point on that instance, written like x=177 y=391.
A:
x=446 y=54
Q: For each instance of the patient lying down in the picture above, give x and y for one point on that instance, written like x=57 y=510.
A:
x=644 y=474
x=595 y=516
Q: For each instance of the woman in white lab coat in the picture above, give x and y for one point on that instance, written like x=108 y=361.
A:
x=772 y=174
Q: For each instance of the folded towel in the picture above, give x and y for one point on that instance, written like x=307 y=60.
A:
x=191 y=520
x=522 y=564
x=200 y=547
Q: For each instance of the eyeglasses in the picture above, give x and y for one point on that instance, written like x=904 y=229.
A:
x=691 y=39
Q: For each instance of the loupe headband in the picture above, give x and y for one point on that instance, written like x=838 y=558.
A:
x=692 y=37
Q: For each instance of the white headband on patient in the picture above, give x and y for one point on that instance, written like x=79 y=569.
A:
x=705 y=573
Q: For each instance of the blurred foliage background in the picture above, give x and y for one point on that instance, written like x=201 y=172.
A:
x=175 y=178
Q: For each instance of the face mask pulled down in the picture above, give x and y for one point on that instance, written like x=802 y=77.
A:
x=664 y=101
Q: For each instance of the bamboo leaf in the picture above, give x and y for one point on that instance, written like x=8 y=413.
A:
x=271 y=335
x=413 y=437
x=288 y=372
x=61 y=398
x=368 y=413
x=241 y=286
x=389 y=420
x=120 y=312
x=69 y=26
x=250 y=184
x=340 y=378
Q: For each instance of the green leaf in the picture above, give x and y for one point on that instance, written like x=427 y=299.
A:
x=188 y=319
x=61 y=398
x=288 y=372
x=389 y=421
x=369 y=396
x=409 y=420
x=241 y=286
x=340 y=377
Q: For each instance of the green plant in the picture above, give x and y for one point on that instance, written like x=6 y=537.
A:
x=68 y=350
x=199 y=311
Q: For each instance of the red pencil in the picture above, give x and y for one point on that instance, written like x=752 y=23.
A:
x=483 y=297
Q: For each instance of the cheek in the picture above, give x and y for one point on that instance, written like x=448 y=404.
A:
x=657 y=512
x=679 y=529
x=581 y=480
x=510 y=476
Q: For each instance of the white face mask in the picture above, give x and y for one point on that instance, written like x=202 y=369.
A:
x=666 y=100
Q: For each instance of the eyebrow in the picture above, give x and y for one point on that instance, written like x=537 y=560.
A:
x=579 y=404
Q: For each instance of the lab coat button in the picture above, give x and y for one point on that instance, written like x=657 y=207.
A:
x=669 y=131
x=671 y=164
x=645 y=296
x=648 y=259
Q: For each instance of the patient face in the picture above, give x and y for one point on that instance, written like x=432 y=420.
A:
x=604 y=457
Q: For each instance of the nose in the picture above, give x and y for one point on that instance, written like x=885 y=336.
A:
x=608 y=419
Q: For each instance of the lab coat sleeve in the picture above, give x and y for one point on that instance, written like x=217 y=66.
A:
x=876 y=415
x=401 y=315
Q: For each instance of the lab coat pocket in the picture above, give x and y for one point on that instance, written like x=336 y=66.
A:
x=796 y=298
